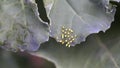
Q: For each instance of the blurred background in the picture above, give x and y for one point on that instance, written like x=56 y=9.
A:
x=22 y=60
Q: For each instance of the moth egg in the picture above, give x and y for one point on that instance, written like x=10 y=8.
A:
x=60 y=41
x=66 y=29
x=65 y=35
x=66 y=40
x=72 y=37
x=68 y=45
x=68 y=36
x=71 y=30
x=63 y=31
x=71 y=41
x=68 y=33
x=62 y=36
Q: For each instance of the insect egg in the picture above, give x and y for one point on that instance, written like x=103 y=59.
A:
x=67 y=36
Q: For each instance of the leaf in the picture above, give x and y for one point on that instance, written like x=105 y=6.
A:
x=20 y=25
x=98 y=51
x=82 y=17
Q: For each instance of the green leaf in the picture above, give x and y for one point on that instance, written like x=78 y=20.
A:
x=83 y=17
x=99 y=51
x=20 y=25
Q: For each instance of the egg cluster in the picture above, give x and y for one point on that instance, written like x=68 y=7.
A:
x=67 y=36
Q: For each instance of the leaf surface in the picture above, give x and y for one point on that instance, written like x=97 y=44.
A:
x=98 y=51
x=83 y=17
x=20 y=25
